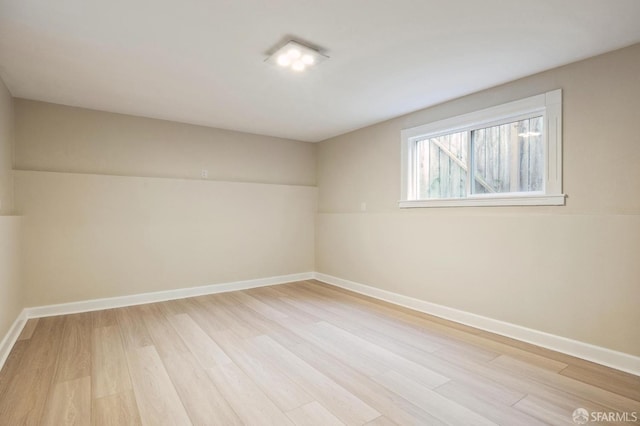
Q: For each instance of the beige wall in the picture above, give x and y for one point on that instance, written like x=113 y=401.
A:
x=11 y=291
x=93 y=236
x=6 y=150
x=572 y=271
x=58 y=138
x=114 y=205
x=11 y=297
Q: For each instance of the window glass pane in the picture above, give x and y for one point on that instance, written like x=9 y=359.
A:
x=509 y=157
x=442 y=166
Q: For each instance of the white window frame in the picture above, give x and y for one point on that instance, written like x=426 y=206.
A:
x=548 y=105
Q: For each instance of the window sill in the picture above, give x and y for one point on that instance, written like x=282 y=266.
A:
x=520 y=200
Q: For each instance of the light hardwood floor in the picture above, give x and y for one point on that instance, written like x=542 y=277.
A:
x=303 y=353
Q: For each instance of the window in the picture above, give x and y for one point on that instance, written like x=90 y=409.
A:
x=506 y=155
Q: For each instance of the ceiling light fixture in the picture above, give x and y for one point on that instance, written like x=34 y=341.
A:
x=296 y=56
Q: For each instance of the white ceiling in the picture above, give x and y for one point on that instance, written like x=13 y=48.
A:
x=201 y=61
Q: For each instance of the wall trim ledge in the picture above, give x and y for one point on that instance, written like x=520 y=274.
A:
x=11 y=337
x=600 y=355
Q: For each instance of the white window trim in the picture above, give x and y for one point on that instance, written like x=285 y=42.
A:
x=549 y=105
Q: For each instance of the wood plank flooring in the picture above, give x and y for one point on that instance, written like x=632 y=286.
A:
x=302 y=353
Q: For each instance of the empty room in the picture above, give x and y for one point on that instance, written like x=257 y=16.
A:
x=280 y=212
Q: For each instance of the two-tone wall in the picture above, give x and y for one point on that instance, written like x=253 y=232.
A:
x=571 y=271
x=11 y=294
x=115 y=205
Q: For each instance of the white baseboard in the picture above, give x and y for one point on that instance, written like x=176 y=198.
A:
x=618 y=360
x=135 y=299
x=159 y=296
x=11 y=337
x=597 y=354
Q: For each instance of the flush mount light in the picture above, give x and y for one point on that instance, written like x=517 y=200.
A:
x=296 y=56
